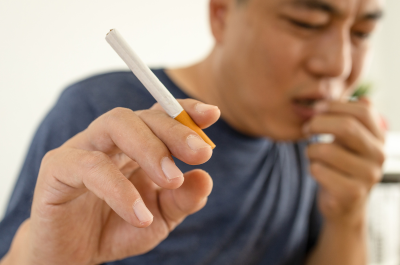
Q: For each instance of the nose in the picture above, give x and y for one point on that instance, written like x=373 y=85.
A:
x=331 y=56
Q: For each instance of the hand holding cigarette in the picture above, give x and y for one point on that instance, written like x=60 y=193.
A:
x=153 y=85
x=113 y=190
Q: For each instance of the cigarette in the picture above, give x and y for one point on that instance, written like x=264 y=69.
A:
x=153 y=84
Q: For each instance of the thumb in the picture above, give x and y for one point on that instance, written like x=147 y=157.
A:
x=176 y=204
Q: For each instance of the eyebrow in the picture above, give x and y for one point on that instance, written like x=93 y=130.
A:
x=330 y=9
x=376 y=15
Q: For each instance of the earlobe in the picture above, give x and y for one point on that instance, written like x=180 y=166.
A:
x=218 y=14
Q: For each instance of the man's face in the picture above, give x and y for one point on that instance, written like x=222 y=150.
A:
x=282 y=56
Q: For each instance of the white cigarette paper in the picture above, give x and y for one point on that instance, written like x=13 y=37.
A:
x=144 y=74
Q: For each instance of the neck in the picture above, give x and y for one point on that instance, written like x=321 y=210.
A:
x=197 y=81
x=206 y=82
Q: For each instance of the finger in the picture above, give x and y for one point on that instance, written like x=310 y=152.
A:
x=346 y=162
x=365 y=100
x=361 y=110
x=182 y=141
x=121 y=130
x=345 y=190
x=204 y=115
x=68 y=173
x=176 y=204
x=348 y=132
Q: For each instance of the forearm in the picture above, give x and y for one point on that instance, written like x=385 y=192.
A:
x=341 y=244
x=18 y=253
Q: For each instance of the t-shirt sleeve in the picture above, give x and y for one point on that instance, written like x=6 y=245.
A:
x=71 y=114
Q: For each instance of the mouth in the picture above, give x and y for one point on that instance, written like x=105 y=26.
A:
x=306 y=103
x=304 y=107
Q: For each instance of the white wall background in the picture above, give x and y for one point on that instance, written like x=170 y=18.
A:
x=46 y=45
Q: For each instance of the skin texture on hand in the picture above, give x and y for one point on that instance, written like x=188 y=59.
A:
x=113 y=191
x=346 y=170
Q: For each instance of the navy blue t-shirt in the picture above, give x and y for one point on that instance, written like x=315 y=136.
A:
x=262 y=209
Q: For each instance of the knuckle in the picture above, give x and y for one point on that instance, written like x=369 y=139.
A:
x=94 y=160
x=334 y=205
x=381 y=156
x=330 y=203
x=349 y=127
x=48 y=159
x=49 y=156
x=150 y=112
x=374 y=175
x=118 y=113
x=324 y=150
x=175 y=128
x=366 y=113
x=356 y=194
x=315 y=169
x=318 y=150
x=143 y=113
x=370 y=177
x=118 y=186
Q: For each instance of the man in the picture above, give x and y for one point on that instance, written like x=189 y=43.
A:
x=280 y=71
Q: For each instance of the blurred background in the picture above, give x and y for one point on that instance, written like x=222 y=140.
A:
x=46 y=45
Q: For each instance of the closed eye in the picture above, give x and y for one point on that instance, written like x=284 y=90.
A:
x=306 y=25
x=361 y=35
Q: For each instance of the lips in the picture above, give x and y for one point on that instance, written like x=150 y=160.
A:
x=304 y=107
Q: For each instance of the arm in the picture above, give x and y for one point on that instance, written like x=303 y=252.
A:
x=345 y=170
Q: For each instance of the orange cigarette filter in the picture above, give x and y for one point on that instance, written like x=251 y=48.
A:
x=185 y=119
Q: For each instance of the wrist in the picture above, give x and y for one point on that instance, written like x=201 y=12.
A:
x=351 y=230
x=342 y=241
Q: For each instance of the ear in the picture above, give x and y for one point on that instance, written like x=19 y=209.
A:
x=219 y=11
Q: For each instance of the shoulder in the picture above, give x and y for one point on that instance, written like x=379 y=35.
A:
x=103 y=92
x=84 y=101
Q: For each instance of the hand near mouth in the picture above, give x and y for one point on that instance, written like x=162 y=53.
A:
x=346 y=170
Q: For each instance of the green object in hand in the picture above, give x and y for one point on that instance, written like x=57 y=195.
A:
x=364 y=89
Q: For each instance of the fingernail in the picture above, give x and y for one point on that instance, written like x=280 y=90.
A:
x=196 y=143
x=201 y=107
x=321 y=107
x=141 y=212
x=171 y=171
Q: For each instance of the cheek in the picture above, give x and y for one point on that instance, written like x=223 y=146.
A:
x=277 y=68
x=358 y=65
x=274 y=61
